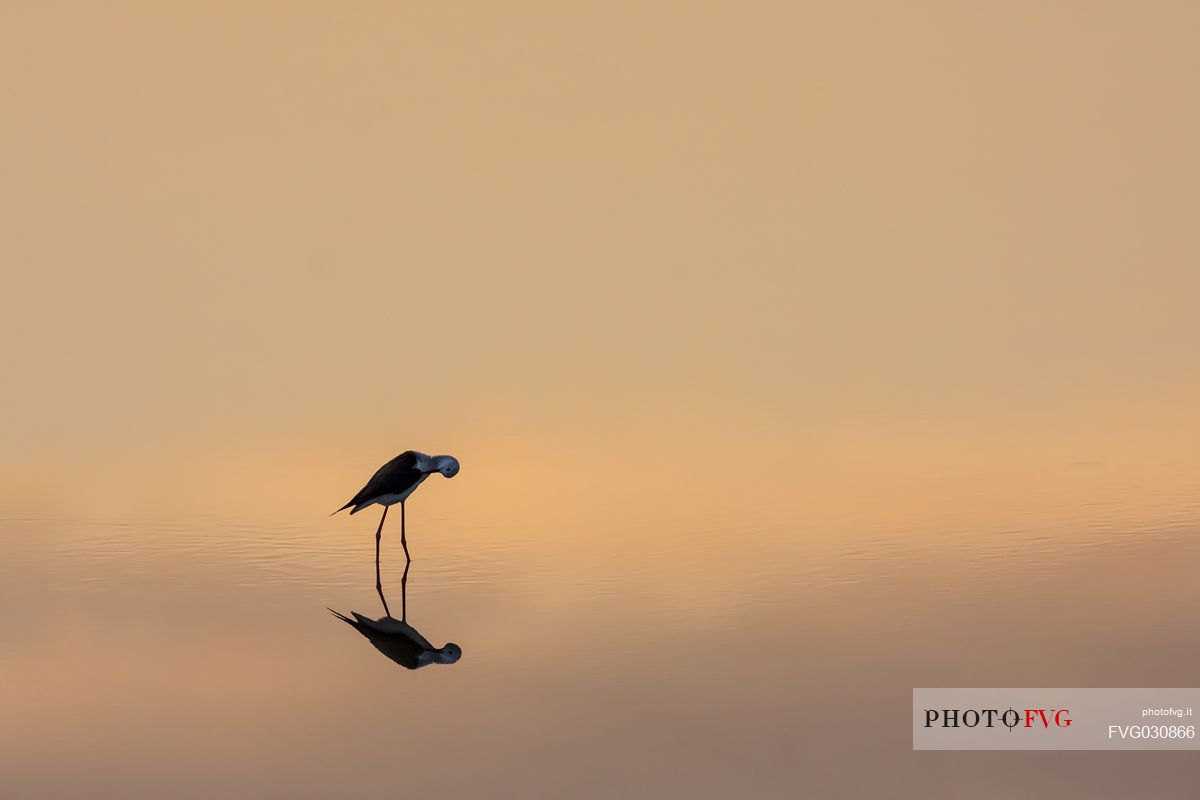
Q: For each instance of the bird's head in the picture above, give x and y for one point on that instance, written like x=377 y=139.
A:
x=449 y=654
x=447 y=465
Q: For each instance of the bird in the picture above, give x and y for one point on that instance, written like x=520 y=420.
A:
x=398 y=640
x=393 y=483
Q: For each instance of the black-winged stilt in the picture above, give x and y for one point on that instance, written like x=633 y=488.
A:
x=393 y=483
x=398 y=640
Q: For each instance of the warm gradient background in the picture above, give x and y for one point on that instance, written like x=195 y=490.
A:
x=796 y=354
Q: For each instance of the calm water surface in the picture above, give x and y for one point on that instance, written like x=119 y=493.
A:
x=607 y=651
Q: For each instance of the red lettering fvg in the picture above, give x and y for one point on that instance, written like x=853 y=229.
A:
x=1059 y=717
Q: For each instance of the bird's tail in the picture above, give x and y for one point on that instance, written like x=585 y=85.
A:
x=342 y=617
x=343 y=508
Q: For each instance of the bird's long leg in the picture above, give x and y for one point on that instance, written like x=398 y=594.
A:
x=403 y=541
x=378 y=582
x=404 y=593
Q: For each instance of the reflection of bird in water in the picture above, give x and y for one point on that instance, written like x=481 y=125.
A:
x=393 y=483
x=401 y=642
x=398 y=640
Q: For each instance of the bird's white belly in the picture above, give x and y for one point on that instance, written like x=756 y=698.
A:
x=392 y=499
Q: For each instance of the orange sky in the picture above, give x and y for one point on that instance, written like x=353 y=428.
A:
x=315 y=234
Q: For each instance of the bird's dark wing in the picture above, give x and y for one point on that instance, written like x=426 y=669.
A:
x=392 y=478
x=396 y=646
